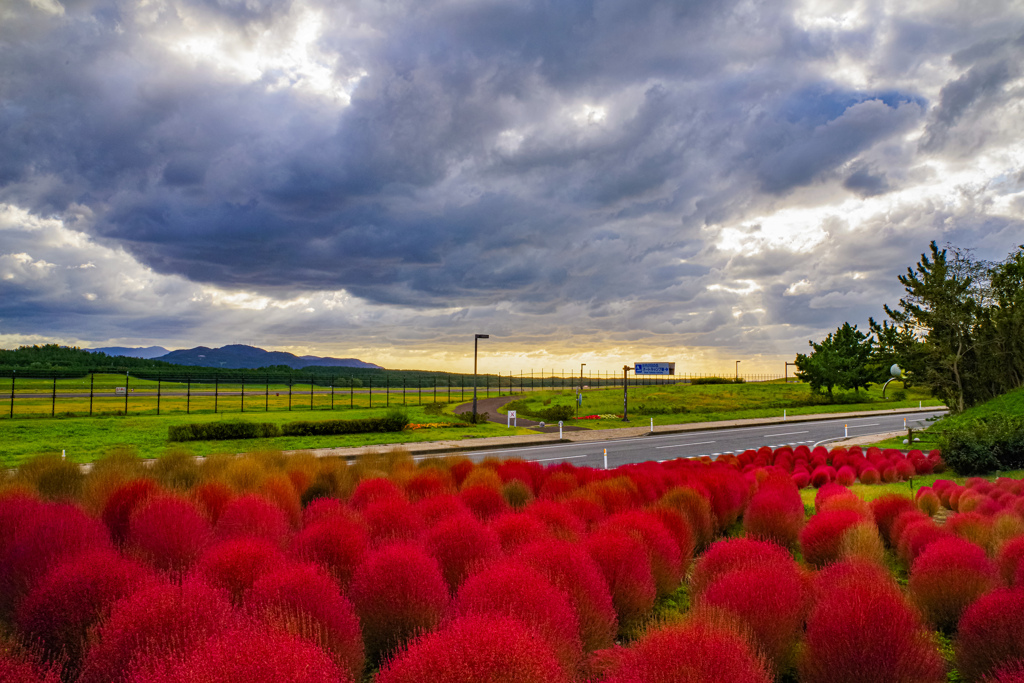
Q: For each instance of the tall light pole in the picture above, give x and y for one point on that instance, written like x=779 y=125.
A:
x=738 y=372
x=579 y=398
x=476 y=340
x=625 y=393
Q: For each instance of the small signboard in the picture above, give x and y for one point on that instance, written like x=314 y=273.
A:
x=654 y=368
x=120 y=391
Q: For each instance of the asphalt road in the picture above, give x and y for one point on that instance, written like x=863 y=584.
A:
x=694 y=444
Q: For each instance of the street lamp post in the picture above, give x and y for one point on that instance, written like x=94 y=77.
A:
x=579 y=398
x=476 y=340
x=738 y=372
x=625 y=393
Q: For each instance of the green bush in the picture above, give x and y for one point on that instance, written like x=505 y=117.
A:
x=519 y=405
x=716 y=380
x=434 y=408
x=659 y=409
x=468 y=418
x=988 y=444
x=222 y=431
x=555 y=413
x=899 y=395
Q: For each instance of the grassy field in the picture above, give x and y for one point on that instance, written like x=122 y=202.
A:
x=87 y=438
x=904 y=488
x=685 y=403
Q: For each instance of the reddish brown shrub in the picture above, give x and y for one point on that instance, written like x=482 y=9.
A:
x=569 y=567
x=928 y=502
x=236 y=563
x=14 y=669
x=398 y=591
x=478 y=648
x=372 y=490
x=391 y=519
x=122 y=501
x=734 y=553
x=279 y=489
x=516 y=528
x=559 y=519
x=429 y=482
x=771 y=516
x=440 y=506
x=695 y=507
x=866 y=632
x=990 y=635
x=663 y=552
x=558 y=485
x=168 y=531
x=972 y=527
x=947 y=577
x=1011 y=673
x=869 y=475
x=213 y=497
x=154 y=626
x=304 y=600
x=1010 y=559
x=253 y=516
x=705 y=647
x=846 y=476
x=459 y=544
x=516 y=589
x=485 y=502
x=337 y=543
x=918 y=536
x=587 y=510
x=631 y=583
x=822 y=539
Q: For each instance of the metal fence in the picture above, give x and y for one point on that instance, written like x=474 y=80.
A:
x=44 y=394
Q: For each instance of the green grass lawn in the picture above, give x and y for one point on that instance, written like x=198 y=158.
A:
x=905 y=488
x=87 y=438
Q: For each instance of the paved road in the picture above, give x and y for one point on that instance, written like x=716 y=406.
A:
x=693 y=444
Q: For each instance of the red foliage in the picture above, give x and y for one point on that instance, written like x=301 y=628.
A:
x=1011 y=559
x=398 y=591
x=679 y=527
x=516 y=589
x=459 y=544
x=665 y=557
x=916 y=537
x=153 y=627
x=631 y=583
x=254 y=516
x=17 y=670
x=822 y=475
x=372 y=490
x=705 y=647
x=869 y=475
x=558 y=485
x=558 y=517
x=490 y=648
x=990 y=634
x=771 y=599
x=903 y=520
x=731 y=554
x=440 y=506
x=303 y=599
x=801 y=478
x=320 y=509
x=865 y=632
x=772 y=516
x=429 y=482
x=213 y=497
x=392 y=519
x=337 y=543
x=485 y=502
x=235 y=564
x=693 y=505
x=947 y=577
x=121 y=502
x=846 y=476
x=515 y=529
x=587 y=510
x=971 y=526
x=928 y=501
x=249 y=653
x=822 y=539
x=1011 y=673
x=569 y=567
x=74 y=596
x=279 y=489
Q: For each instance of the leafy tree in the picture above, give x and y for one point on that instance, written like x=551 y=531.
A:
x=896 y=345
x=841 y=360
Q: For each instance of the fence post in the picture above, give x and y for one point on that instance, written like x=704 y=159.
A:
x=289 y=393
x=332 y=392
x=311 y=392
x=158 y=394
x=403 y=391
x=266 y=393
x=369 y=393
x=351 y=392
x=92 y=382
x=188 y=394
x=53 y=403
x=387 y=391
x=126 y=393
x=216 y=392
x=243 y=394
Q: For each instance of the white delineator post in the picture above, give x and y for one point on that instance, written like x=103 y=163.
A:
x=846 y=430
x=559 y=429
x=652 y=424
x=606 y=458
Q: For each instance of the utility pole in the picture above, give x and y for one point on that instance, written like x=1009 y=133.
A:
x=476 y=340
x=625 y=393
x=579 y=399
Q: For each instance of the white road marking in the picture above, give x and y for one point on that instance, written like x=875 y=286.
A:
x=566 y=457
x=786 y=433
x=680 y=445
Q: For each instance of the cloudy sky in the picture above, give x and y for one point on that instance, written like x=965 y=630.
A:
x=599 y=181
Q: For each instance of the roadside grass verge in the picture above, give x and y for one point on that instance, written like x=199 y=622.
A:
x=904 y=488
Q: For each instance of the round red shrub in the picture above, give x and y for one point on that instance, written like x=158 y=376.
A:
x=771 y=516
x=154 y=626
x=398 y=591
x=731 y=554
x=516 y=589
x=947 y=577
x=516 y=528
x=372 y=490
x=905 y=470
x=822 y=539
x=1011 y=673
x=869 y=475
x=249 y=653
x=121 y=502
x=320 y=509
x=429 y=482
x=304 y=600
x=918 y=536
x=846 y=476
x=822 y=475
x=337 y=543
x=631 y=582
x=392 y=519
x=559 y=519
x=705 y=647
x=663 y=552
x=693 y=505
x=252 y=515
x=866 y=632
x=485 y=502
x=990 y=635
x=903 y=520
x=569 y=567
x=1010 y=559
x=589 y=511
x=971 y=526
x=928 y=502
x=679 y=527
x=168 y=531
x=213 y=497
x=440 y=506
x=236 y=563
x=459 y=544
x=14 y=669
x=801 y=478
x=478 y=648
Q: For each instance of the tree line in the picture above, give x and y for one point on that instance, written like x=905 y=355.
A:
x=959 y=330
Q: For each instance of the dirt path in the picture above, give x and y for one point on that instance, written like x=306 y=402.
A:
x=491 y=405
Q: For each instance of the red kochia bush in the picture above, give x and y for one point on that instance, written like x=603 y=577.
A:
x=478 y=648
x=822 y=539
x=440 y=506
x=337 y=543
x=486 y=502
x=734 y=553
x=122 y=501
x=947 y=577
x=570 y=567
x=518 y=590
x=663 y=552
x=865 y=632
x=458 y=544
x=304 y=600
x=392 y=519
x=162 y=622
x=16 y=670
x=248 y=654
x=631 y=582
x=515 y=529
x=695 y=507
x=705 y=647
x=1011 y=673
x=168 y=532
x=236 y=563
x=254 y=516
x=990 y=634
x=398 y=591
x=371 y=490
x=772 y=516
x=558 y=518
x=770 y=599
x=213 y=497
x=58 y=613
x=885 y=509
x=1011 y=559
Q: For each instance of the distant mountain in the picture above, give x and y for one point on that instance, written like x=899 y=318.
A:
x=241 y=357
x=147 y=352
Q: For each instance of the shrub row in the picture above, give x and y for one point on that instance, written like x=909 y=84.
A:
x=394 y=421
x=985 y=445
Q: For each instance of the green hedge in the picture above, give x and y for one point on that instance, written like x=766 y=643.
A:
x=393 y=421
x=984 y=445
